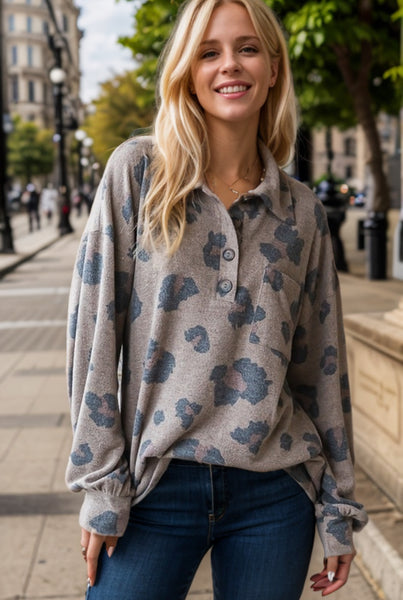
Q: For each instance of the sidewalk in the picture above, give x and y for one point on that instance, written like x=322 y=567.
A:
x=40 y=555
x=27 y=244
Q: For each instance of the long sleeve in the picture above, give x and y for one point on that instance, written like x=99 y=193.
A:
x=99 y=306
x=318 y=380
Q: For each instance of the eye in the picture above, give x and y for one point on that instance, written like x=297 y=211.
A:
x=208 y=54
x=249 y=50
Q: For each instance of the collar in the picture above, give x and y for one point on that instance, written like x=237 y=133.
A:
x=274 y=190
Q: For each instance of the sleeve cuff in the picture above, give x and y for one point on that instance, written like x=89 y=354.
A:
x=336 y=523
x=104 y=514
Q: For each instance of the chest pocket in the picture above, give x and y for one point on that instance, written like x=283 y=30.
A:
x=276 y=317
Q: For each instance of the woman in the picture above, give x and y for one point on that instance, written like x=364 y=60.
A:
x=212 y=271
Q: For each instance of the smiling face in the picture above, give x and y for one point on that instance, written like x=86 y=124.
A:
x=232 y=73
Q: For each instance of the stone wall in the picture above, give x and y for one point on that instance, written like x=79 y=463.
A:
x=375 y=354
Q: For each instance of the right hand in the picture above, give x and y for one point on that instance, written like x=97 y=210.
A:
x=93 y=543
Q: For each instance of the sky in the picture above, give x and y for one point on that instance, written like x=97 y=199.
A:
x=101 y=57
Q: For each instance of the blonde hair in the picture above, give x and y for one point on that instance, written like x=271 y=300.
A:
x=181 y=152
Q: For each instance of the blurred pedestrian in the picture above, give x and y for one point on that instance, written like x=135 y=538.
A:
x=31 y=201
x=77 y=201
x=87 y=198
x=48 y=201
x=231 y=427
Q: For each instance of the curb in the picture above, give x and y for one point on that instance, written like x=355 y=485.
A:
x=383 y=562
x=19 y=260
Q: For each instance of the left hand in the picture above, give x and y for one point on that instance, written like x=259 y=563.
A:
x=91 y=544
x=340 y=567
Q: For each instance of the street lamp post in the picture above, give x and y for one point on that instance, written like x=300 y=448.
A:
x=88 y=143
x=6 y=239
x=398 y=238
x=94 y=174
x=80 y=136
x=58 y=76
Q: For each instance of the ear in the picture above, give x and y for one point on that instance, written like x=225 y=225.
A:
x=274 y=63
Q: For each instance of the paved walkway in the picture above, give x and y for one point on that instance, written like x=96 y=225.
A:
x=39 y=551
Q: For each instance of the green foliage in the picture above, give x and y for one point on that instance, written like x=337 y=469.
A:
x=395 y=73
x=318 y=32
x=154 y=22
x=124 y=107
x=30 y=150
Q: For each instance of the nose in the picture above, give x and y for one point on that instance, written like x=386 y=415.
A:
x=230 y=62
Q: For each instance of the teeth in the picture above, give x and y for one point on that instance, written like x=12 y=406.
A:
x=232 y=89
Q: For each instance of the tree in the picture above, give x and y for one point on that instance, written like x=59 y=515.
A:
x=339 y=52
x=30 y=150
x=123 y=107
x=153 y=23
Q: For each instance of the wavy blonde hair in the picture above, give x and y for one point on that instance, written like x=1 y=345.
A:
x=181 y=152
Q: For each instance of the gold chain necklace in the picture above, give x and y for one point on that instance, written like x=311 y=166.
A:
x=230 y=186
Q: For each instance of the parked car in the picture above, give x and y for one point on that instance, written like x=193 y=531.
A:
x=358 y=200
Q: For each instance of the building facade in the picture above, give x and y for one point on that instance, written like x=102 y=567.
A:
x=28 y=27
x=350 y=156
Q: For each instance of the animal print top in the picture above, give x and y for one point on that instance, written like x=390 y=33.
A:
x=232 y=349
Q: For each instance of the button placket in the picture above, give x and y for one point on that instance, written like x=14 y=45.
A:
x=228 y=275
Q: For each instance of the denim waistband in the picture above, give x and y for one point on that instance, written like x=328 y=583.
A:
x=191 y=463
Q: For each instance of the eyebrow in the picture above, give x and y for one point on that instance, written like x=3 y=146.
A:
x=242 y=38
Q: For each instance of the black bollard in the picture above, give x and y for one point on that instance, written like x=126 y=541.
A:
x=375 y=228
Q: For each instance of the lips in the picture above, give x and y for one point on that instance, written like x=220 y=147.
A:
x=232 y=89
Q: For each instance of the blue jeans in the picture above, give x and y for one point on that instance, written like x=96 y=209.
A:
x=259 y=526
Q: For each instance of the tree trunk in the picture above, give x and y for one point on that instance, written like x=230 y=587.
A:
x=357 y=83
x=359 y=90
x=366 y=118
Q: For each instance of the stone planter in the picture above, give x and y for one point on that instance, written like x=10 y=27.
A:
x=375 y=355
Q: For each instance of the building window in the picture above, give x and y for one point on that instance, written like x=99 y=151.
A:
x=349 y=146
x=31 y=91
x=30 y=56
x=29 y=24
x=65 y=23
x=14 y=55
x=45 y=28
x=349 y=172
x=29 y=1
x=11 y=23
x=14 y=89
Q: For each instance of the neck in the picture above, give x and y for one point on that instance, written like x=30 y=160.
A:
x=232 y=150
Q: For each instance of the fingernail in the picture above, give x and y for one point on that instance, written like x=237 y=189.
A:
x=110 y=551
x=331 y=575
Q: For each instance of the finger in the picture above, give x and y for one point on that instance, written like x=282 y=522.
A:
x=94 y=548
x=332 y=565
x=333 y=587
x=85 y=537
x=84 y=541
x=341 y=570
x=325 y=580
x=110 y=543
